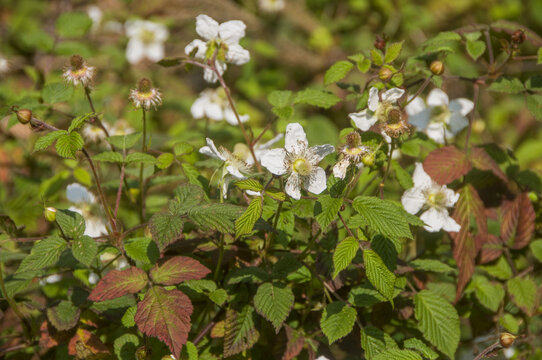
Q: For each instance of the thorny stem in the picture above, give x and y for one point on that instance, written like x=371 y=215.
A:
x=476 y=87
x=488 y=350
x=346 y=226
x=141 y=168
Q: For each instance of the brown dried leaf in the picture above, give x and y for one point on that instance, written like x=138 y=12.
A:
x=85 y=345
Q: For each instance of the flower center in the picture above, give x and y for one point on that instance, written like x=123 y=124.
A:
x=302 y=167
x=436 y=199
x=354 y=151
x=218 y=46
x=388 y=113
x=147 y=36
x=440 y=114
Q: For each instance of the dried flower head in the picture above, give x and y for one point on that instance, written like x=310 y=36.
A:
x=353 y=152
x=78 y=72
x=145 y=95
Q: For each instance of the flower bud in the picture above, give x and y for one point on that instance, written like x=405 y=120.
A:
x=385 y=73
x=50 y=214
x=437 y=67
x=24 y=116
x=369 y=159
x=507 y=339
x=380 y=42
x=533 y=197
x=518 y=36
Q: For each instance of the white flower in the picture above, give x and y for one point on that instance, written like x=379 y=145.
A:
x=378 y=110
x=234 y=165
x=213 y=104
x=352 y=153
x=299 y=161
x=222 y=39
x=51 y=279
x=93 y=278
x=95 y=14
x=434 y=199
x=4 y=65
x=271 y=6
x=144 y=95
x=78 y=194
x=121 y=127
x=146 y=40
x=441 y=119
x=95 y=133
x=77 y=72
x=322 y=357
x=261 y=149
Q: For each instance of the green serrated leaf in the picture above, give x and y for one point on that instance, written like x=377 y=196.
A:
x=510 y=323
x=126 y=346
x=396 y=354
x=393 y=51
x=245 y=223
x=191 y=350
x=249 y=184
x=337 y=71
x=165 y=229
x=69 y=144
x=378 y=58
x=402 y=176
x=47 y=140
x=364 y=65
x=80 y=121
x=536 y=249
x=274 y=301
x=421 y=347
x=488 y=294
x=218 y=296
x=285 y=112
x=344 y=254
x=56 y=92
x=475 y=48
x=85 y=249
x=374 y=341
x=523 y=292
x=250 y=274
x=318 y=98
x=326 y=209
x=44 y=253
x=534 y=104
x=109 y=156
x=240 y=332
x=507 y=85
x=539 y=56
x=164 y=160
x=220 y=217
x=337 y=320
x=183 y=148
x=438 y=321
x=73 y=24
x=64 y=316
x=432 y=265
x=128 y=317
x=383 y=216
x=378 y=274
x=280 y=98
x=124 y=141
x=71 y=223
x=140 y=158
x=142 y=249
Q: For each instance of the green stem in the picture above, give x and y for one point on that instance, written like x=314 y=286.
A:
x=144 y=150
x=220 y=258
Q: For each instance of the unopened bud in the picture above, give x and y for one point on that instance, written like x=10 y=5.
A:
x=77 y=62
x=518 y=36
x=353 y=140
x=144 y=86
x=50 y=214
x=369 y=159
x=437 y=67
x=24 y=116
x=507 y=339
x=385 y=73
x=380 y=42
x=533 y=196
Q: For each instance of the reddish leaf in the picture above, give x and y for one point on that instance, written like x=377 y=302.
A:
x=518 y=222
x=118 y=283
x=86 y=345
x=481 y=160
x=165 y=314
x=294 y=345
x=465 y=246
x=50 y=337
x=446 y=164
x=178 y=269
x=491 y=248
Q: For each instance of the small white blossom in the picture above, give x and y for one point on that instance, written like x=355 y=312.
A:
x=378 y=109
x=146 y=40
x=94 y=226
x=433 y=199
x=213 y=104
x=222 y=39
x=272 y=6
x=234 y=165
x=441 y=118
x=352 y=153
x=51 y=279
x=95 y=133
x=299 y=161
x=95 y=14
x=93 y=278
x=4 y=65
x=145 y=96
x=78 y=72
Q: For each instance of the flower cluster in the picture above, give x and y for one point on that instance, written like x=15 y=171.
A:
x=213 y=104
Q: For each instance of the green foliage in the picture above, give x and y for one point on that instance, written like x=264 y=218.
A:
x=337 y=320
x=392 y=52
x=274 y=302
x=64 y=316
x=507 y=85
x=240 y=332
x=165 y=229
x=523 y=293
x=71 y=223
x=421 y=347
x=337 y=71
x=378 y=274
x=344 y=254
x=245 y=223
x=489 y=295
x=47 y=140
x=44 y=253
x=56 y=92
x=69 y=144
x=84 y=249
x=374 y=342
x=73 y=24
x=318 y=98
x=124 y=142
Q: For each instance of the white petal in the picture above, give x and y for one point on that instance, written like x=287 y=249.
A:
x=437 y=97
x=135 y=51
x=132 y=27
x=237 y=55
x=225 y=183
x=457 y=122
x=155 y=51
x=230 y=117
x=420 y=178
x=253 y=193
x=434 y=219
x=211 y=145
x=214 y=112
x=392 y=95
x=161 y=32
x=232 y=31
x=205 y=150
x=198 y=107
x=415 y=106
x=339 y=170
x=363 y=120
x=321 y=151
x=200 y=45
x=94 y=227
x=293 y=186
x=386 y=137
x=77 y=193
x=296 y=139
x=209 y=75
x=451 y=225
x=420 y=119
x=234 y=172
x=274 y=161
x=206 y=27
x=413 y=200
x=373 y=99
x=451 y=196
x=461 y=105
x=436 y=131
x=316 y=181
x=271 y=142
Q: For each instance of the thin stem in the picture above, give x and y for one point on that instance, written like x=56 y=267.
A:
x=488 y=350
x=420 y=89
x=489 y=48
x=119 y=191
x=220 y=258
x=346 y=226
x=96 y=118
x=387 y=171
x=141 y=168
x=476 y=87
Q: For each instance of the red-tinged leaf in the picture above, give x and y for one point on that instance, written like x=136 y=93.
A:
x=118 y=283
x=178 y=269
x=86 y=345
x=465 y=246
x=240 y=332
x=446 y=164
x=517 y=226
x=491 y=249
x=481 y=160
x=294 y=345
x=50 y=337
x=165 y=314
